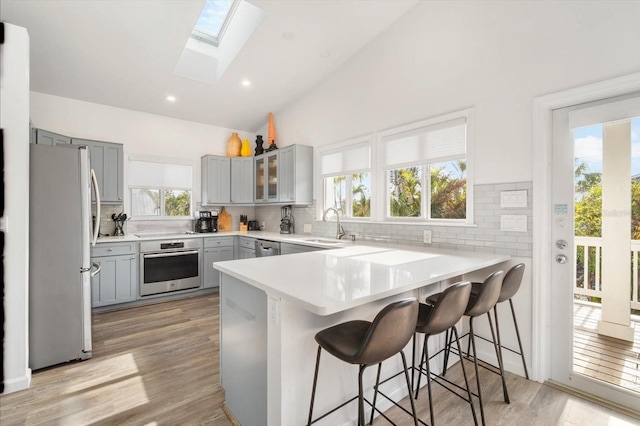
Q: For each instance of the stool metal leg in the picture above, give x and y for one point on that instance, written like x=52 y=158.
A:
x=422 y=361
x=466 y=381
x=361 y=396
x=475 y=364
x=375 y=393
x=406 y=375
x=426 y=352
x=515 y=323
x=498 y=349
x=313 y=390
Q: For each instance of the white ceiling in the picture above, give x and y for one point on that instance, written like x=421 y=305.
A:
x=123 y=53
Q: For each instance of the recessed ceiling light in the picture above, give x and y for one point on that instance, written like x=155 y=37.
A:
x=325 y=53
x=171 y=98
x=246 y=83
x=287 y=35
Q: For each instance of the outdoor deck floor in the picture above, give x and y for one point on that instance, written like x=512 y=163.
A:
x=610 y=360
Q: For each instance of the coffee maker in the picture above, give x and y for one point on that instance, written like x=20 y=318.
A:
x=286 y=222
x=207 y=222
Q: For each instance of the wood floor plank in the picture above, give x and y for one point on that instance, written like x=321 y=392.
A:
x=159 y=365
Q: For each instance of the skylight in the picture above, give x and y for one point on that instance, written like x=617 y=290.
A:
x=213 y=20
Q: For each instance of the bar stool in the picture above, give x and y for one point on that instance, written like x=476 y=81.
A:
x=479 y=304
x=368 y=343
x=433 y=320
x=510 y=286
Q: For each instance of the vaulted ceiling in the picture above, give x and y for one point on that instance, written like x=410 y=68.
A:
x=123 y=53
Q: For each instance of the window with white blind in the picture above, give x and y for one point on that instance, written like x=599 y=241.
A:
x=160 y=188
x=345 y=174
x=425 y=170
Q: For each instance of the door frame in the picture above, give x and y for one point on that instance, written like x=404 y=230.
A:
x=542 y=205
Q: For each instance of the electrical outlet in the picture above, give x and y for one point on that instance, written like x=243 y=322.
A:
x=307 y=228
x=426 y=236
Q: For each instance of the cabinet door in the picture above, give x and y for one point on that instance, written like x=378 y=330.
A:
x=107 y=161
x=216 y=180
x=49 y=138
x=212 y=275
x=259 y=179
x=272 y=177
x=116 y=282
x=287 y=174
x=242 y=180
x=247 y=253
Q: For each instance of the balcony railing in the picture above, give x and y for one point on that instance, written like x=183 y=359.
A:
x=588 y=269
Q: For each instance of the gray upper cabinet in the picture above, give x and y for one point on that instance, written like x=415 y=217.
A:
x=107 y=160
x=295 y=175
x=216 y=180
x=43 y=137
x=242 y=180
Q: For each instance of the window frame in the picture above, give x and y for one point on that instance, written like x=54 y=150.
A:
x=161 y=189
x=341 y=147
x=380 y=191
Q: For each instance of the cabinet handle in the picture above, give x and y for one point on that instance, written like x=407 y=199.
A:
x=110 y=249
x=206 y=250
x=133 y=258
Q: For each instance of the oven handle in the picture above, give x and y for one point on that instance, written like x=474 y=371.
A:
x=173 y=253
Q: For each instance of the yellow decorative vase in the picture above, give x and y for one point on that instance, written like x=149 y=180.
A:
x=233 y=145
x=246 y=149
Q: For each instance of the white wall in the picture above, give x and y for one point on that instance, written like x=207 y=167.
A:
x=141 y=133
x=494 y=56
x=14 y=120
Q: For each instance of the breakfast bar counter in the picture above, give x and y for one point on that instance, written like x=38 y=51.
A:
x=272 y=307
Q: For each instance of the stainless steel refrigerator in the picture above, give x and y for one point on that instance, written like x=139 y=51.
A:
x=60 y=269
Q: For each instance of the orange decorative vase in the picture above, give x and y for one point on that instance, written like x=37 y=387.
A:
x=245 y=151
x=234 y=145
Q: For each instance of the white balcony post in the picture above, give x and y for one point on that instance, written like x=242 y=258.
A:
x=616 y=231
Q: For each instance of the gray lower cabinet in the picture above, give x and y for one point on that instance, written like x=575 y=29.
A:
x=215 y=172
x=107 y=160
x=247 y=248
x=242 y=180
x=216 y=249
x=44 y=137
x=117 y=281
x=288 y=248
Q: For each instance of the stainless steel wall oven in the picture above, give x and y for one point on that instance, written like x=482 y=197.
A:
x=169 y=265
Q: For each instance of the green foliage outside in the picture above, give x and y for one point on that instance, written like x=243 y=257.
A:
x=448 y=192
x=361 y=195
x=177 y=203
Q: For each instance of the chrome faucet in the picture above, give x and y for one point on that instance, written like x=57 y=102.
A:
x=339 y=230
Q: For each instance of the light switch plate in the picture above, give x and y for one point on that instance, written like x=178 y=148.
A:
x=513 y=199
x=513 y=222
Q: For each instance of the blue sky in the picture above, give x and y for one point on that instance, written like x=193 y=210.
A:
x=588 y=146
x=213 y=15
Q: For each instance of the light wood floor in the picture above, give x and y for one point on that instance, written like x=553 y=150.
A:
x=610 y=360
x=159 y=365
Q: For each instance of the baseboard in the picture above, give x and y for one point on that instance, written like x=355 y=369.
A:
x=595 y=400
x=232 y=418
x=17 y=384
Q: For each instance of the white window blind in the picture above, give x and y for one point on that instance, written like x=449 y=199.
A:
x=435 y=143
x=147 y=174
x=351 y=159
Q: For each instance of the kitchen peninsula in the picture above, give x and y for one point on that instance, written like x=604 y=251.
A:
x=271 y=308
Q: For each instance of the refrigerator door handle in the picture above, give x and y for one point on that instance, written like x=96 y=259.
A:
x=96 y=229
x=98 y=268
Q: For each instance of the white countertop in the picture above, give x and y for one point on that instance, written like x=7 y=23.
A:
x=330 y=281
x=302 y=239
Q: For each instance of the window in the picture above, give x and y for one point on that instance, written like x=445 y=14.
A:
x=345 y=173
x=160 y=189
x=425 y=170
x=213 y=20
x=417 y=173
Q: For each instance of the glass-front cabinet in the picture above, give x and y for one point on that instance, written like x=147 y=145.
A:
x=266 y=175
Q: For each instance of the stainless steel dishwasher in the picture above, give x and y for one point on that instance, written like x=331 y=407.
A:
x=267 y=248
